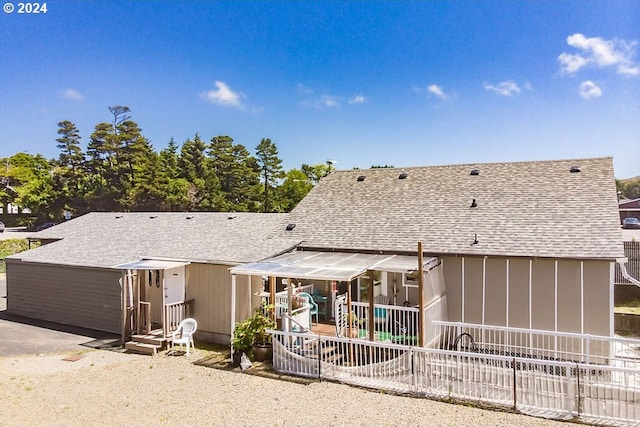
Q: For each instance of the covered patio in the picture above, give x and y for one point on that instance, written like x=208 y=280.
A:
x=371 y=275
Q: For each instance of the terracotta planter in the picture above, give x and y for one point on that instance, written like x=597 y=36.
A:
x=263 y=352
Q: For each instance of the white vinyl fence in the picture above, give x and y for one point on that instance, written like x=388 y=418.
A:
x=550 y=388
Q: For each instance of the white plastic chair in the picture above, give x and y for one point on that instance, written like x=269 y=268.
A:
x=184 y=334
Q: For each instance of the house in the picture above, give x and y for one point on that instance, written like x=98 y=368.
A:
x=629 y=208
x=526 y=244
x=149 y=263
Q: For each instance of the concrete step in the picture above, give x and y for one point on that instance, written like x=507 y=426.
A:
x=141 y=347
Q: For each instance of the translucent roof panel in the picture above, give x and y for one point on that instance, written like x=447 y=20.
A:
x=150 y=264
x=339 y=266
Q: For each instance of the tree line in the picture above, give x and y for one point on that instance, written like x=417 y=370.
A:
x=121 y=171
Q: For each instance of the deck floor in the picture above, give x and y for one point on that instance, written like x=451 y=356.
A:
x=324 y=328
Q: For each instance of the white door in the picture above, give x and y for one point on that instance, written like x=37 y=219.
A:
x=174 y=285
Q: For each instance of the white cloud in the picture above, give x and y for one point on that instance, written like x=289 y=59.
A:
x=72 y=94
x=328 y=101
x=506 y=88
x=600 y=53
x=358 y=99
x=303 y=90
x=223 y=95
x=436 y=90
x=589 y=90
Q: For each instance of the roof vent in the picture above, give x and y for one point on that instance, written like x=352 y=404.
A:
x=153 y=216
x=361 y=178
x=231 y=217
x=475 y=240
x=474 y=204
x=118 y=216
x=290 y=226
x=574 y=169
x=402 y=176
x=475 y=172
x=190 y=217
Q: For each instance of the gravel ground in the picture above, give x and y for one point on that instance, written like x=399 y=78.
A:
x=112 y=388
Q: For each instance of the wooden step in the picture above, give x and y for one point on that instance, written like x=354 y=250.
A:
x=158 y=340
x=332 y=358
x=141 y=347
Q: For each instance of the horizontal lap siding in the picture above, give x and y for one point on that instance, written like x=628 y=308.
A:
x=85 y=297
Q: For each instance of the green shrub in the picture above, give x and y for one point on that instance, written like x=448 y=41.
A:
x=10 y=247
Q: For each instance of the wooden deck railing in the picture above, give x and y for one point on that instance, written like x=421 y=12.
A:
x=143 y=319
x=175 y=313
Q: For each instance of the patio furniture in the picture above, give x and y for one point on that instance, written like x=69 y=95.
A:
x=323 y=304
x=313 y=310
x=380 y=314
x=183 y=335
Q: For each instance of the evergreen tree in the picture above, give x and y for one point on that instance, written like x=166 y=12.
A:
x=237 y=173
x=271 y=171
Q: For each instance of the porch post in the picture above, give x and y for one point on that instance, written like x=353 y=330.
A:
x=371 y=310
x=233 y=308
x=272 y=296
x=421 y=317
x=123 y=287
x=165 y=330
x=349 y=309
x=289 y=304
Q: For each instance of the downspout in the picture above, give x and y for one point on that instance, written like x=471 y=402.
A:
x=625 y=274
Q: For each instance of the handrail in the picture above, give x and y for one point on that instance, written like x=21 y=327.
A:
x=287 y=317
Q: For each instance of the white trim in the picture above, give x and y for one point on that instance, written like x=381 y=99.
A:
x=484 y=287
x=612 y=280
x=462 y=289
x=530 y=293
x=582 y=297
x=506 y=319
x=555 y=297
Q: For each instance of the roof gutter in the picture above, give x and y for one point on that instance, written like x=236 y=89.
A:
x=625 y=274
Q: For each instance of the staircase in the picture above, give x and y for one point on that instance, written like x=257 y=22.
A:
x=147 y=344
x=328 y=353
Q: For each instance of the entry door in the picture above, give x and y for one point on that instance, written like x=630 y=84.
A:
x=154 y=295
x=174 y=284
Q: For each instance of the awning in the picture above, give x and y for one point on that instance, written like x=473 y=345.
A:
x=339 y=266
x=150 y=264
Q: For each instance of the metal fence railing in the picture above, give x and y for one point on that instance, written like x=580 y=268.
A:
x=632 y=253
x=598 y=394
x=540 y=344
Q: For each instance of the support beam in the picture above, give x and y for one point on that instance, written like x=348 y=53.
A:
x=272 y=296
x=165 y=328
x=123 y=292
x=372 y=322
x=233 y=308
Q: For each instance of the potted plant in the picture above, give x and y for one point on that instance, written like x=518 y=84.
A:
x=250 y=336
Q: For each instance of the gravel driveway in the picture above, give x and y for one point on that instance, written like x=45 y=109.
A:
x=100 y=387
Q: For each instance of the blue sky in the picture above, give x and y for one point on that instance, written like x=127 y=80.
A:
x=359 y=82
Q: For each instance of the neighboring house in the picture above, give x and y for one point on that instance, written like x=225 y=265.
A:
x=78 y=277
x=629 y=208
x=529 y=244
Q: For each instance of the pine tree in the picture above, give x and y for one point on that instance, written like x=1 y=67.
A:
x=271 y=171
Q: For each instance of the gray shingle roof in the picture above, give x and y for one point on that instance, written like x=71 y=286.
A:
x=107 y=239
x=531 y=209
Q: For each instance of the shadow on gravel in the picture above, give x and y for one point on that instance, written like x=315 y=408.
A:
x=100 y=340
